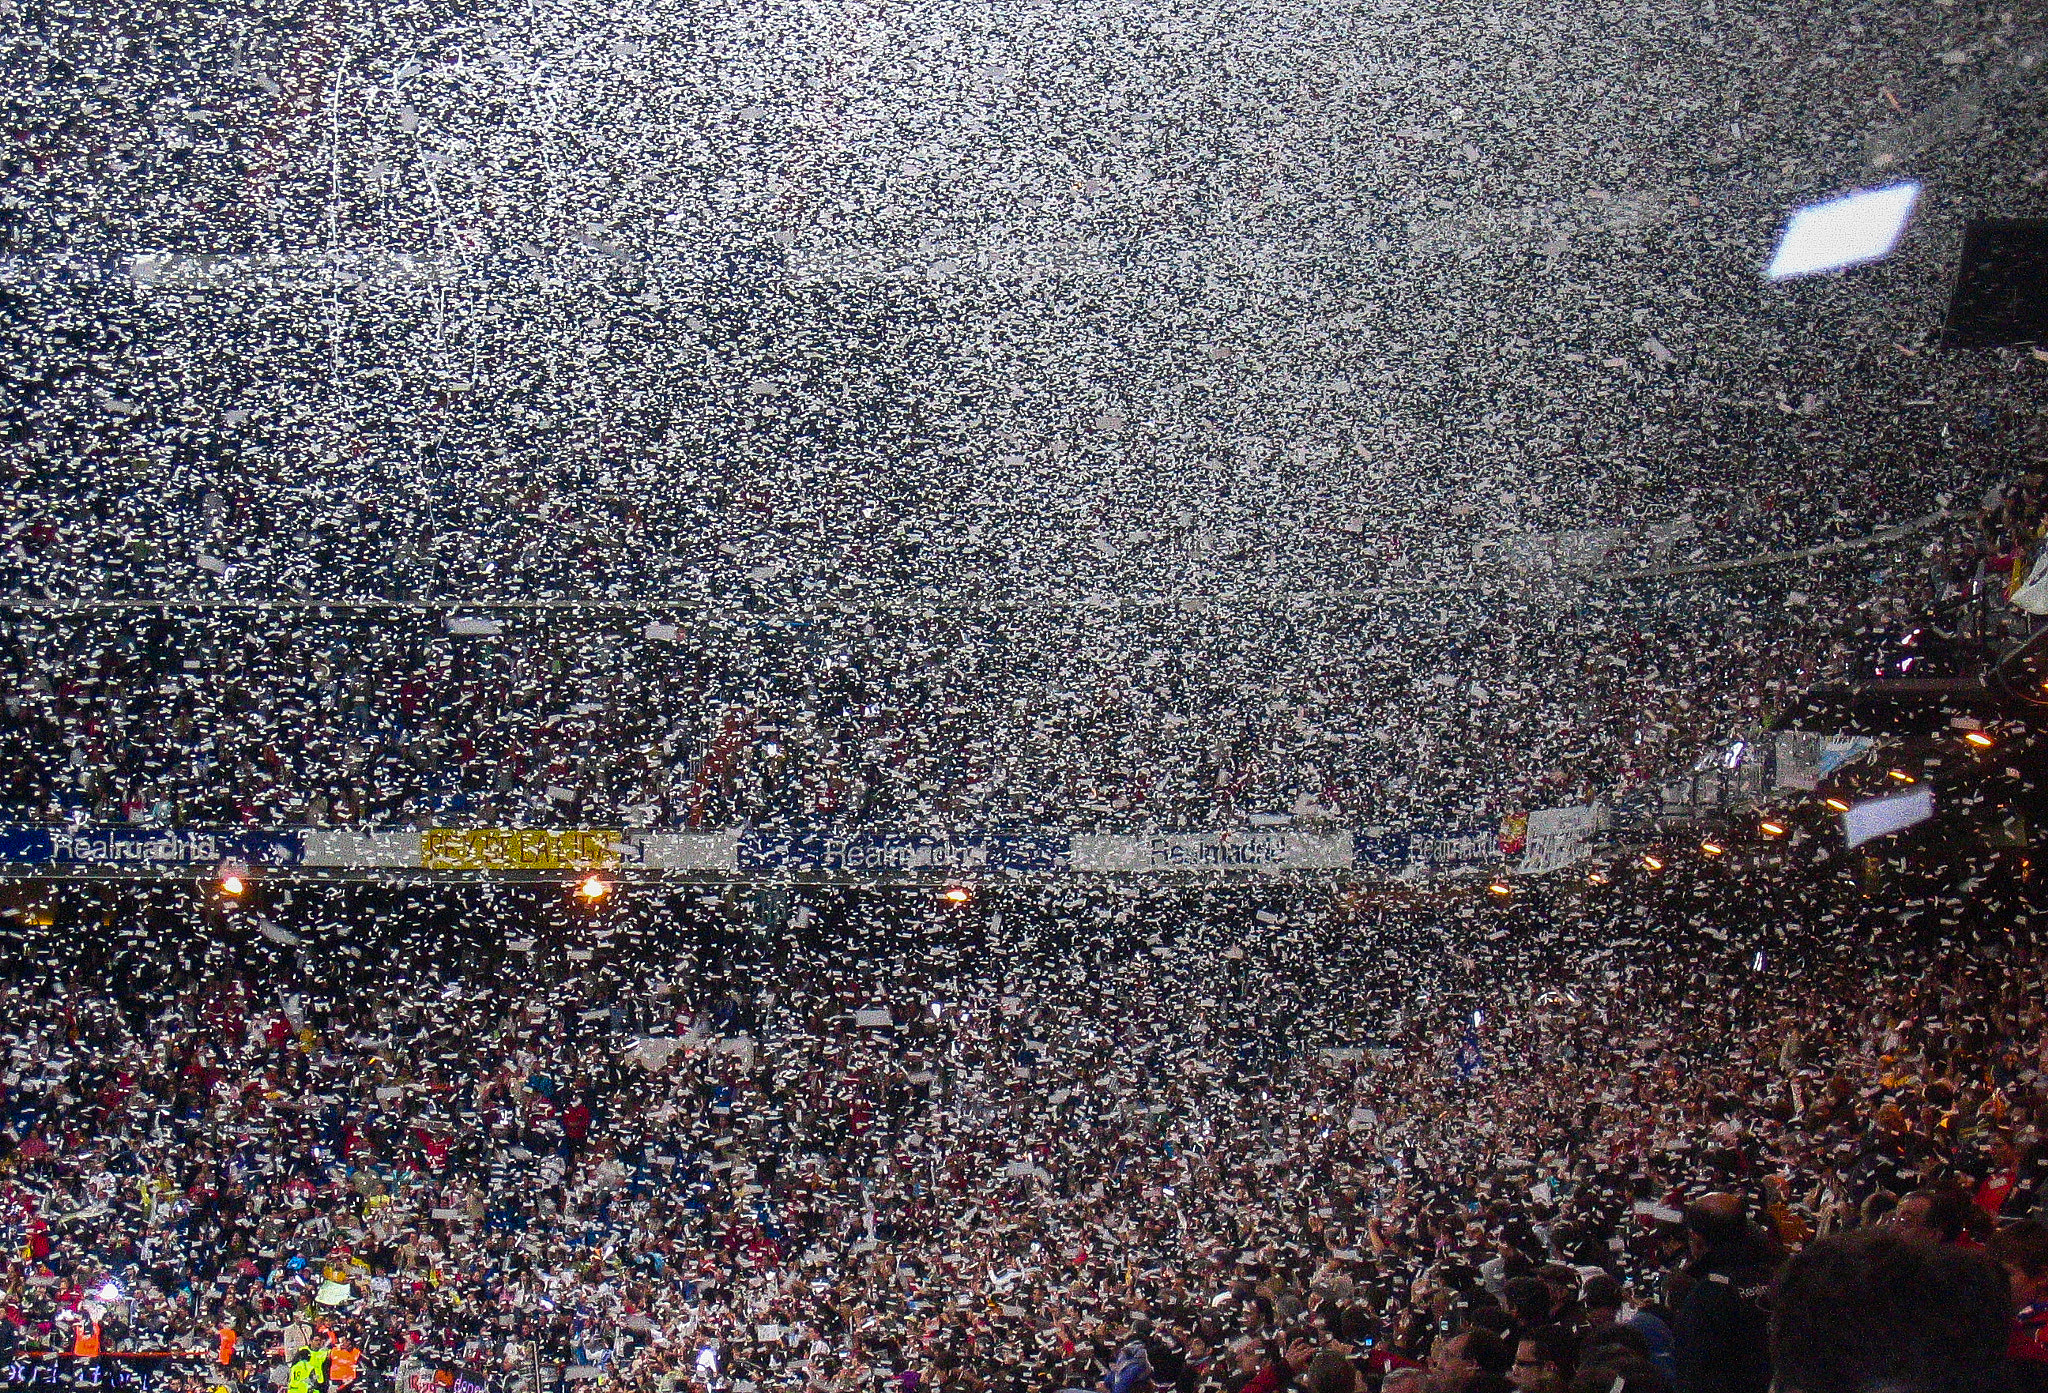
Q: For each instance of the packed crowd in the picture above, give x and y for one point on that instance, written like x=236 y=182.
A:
x=1428 y=709
x=1073 y=414
x=1278 y=1148
x=1271 y=444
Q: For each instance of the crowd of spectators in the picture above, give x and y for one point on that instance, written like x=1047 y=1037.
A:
x=1435 y=708
x=1161 y=476
x=1069 y=416
x=1281 y=1149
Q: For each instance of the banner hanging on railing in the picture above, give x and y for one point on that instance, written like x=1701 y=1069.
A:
x=1558 y=837
x=524 y=849
x=1551 y=834
x=1198 y=851
x=145 y=848
x=1453 y=848
x=1807 y=757
x=863 y=853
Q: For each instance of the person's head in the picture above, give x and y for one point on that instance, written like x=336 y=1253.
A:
x=1329 y=1372
x=2022 y=1250
x=1482 y=1382
x=1938 y=1213
x=1544 y=1360
x=1454 y=1357
x=1249 y=1354
x=1529 y=1301
x=1612 y=1342
x=1403 y=1380
x=1876 y=1309
x=1714 y=1223
x=1621 y=1374
x=1601 y=1299
x=1482 y=1312
x=1564 y=1286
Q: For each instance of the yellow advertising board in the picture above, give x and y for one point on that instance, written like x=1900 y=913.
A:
x=523 y=849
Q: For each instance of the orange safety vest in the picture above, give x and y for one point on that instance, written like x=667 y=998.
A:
x=341 y=1365
x=227 y=1345
x=87 y=1343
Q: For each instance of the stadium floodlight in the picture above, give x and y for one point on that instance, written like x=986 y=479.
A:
x=1846 y=231
x=1979 y=739
x=1880 y=817
x=594 y=888
x=232 y=885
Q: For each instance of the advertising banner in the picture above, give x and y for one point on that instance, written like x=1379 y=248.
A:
x=523 y=849
x=1196 y=851
x=1386 y=851
x=345 y=848
x=690 y=851
x=1454 y=848
x=1552 y=838
x=1558 y=837
x=127 y=1373
x=826 y=852
x=146 y=848
x=1807 y=757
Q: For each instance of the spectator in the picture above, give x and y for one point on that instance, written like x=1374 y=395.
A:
x=1455 y=1359
x=2022 y=1250
x=1721 y=1340
x=1529 y=1302
x=1942 y=1212
x=1603 y=1301
x=1329 y=1372
x=1545 y=1360
x=1870 y=1310
x=1621 y=1374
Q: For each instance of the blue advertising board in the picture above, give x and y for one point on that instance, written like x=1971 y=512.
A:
x=151 y=848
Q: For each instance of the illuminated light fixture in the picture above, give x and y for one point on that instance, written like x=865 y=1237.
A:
x=594 y=888
x=1902 y=776
x=1837 y=804
x=232 y=885
x=1771 y=829
x=956 y=894
x=1879 y=817
x=1500 y=887
x=1712 y=848
x=1849 y=231
x=1979 y=739
x=1596 y=877
x=1651 y=863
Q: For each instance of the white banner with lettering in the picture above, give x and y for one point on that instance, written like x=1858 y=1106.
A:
x=1559 y=837
x=1196 y=851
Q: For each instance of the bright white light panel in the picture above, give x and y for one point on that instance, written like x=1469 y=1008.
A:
x=1847 y=231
